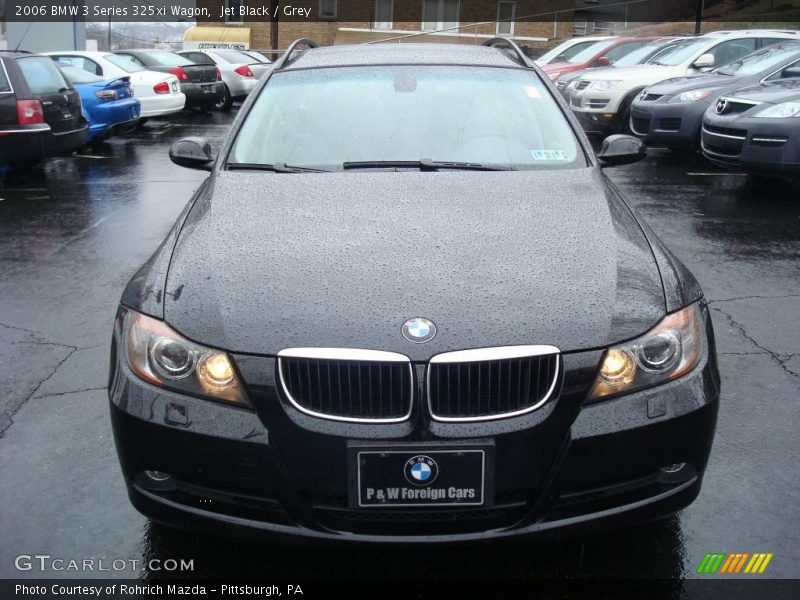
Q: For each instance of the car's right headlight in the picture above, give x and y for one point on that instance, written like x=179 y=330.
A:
x=692 y=96
x=161 y=356
x=780 y=111
x=668 y=351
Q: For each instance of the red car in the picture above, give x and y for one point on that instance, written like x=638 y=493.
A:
x=600 y=54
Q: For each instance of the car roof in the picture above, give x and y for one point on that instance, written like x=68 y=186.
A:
x=745 y=33
x=401 y=54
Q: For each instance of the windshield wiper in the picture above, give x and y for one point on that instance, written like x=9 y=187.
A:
x=423 y=164
x=277 y=168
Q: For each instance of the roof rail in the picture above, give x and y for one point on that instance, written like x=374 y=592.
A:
x=501 y=42
x=284 y=59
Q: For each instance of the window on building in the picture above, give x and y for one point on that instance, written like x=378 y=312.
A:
x=505 y=18
x=384 y=10
x=439 y=14
x=327 y=9
x=234 y=6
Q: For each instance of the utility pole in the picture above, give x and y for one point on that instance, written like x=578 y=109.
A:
x=273 y=29
x=109 y=33
x=699 y=19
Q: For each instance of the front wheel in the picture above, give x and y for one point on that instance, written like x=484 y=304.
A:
x=225 y=103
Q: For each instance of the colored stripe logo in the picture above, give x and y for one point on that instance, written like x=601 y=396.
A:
x=735 y=562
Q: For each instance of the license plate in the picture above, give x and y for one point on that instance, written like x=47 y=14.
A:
x=207 y=89
x=420 y=477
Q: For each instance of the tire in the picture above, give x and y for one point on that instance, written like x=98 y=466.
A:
x=226 y=102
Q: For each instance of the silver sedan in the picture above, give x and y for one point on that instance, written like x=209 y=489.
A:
x=239 y=71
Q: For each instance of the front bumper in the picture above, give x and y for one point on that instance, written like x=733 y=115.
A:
x=669 y=125
x=204 y=95
x=270 y=473
x=754 y=145
x=595 y=121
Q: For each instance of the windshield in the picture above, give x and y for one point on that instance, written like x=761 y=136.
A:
x=588 y=53
x=323 y=118
x=169 y=59
x=758 y=61
x=638 y=56
x=123 y=62
x=76 y=75
x=564 y=54
x=679 y=53
x=233 y=56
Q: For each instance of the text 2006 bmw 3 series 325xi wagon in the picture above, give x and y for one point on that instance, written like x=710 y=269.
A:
x=408 y=306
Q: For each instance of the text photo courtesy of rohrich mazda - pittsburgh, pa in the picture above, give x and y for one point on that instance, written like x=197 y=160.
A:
x=399 y=300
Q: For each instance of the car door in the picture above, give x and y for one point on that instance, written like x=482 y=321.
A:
x=61 y=102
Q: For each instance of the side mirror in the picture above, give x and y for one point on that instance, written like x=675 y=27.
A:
x=621 y=150
x=192 y=153
x=705 y=61
x=788 y=72
x=603 y=61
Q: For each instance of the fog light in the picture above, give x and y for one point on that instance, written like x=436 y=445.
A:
x=673 y=468
x=158 y=476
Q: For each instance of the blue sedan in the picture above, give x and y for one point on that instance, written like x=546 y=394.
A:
x=108 y=104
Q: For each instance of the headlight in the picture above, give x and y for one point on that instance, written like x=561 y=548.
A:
x=668 y=351
x=606 y=84
x=163 y=357
x=780 y=111
x=692 y=96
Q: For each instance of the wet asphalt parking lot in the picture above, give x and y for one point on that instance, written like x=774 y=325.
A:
x=72 y=234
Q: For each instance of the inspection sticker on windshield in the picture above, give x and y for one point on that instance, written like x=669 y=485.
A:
x=531 y=91
x=549 y=155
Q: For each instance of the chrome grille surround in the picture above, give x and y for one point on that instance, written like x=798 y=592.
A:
x=482 y=356
x=349 y=356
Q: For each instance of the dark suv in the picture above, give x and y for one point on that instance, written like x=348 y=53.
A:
x=40 y=111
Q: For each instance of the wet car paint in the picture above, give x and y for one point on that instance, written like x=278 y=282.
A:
x=74 y=234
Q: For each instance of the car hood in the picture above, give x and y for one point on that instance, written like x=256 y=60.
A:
x=271 y=261
x=637 y=75
x=687 y=83
x=773 y=92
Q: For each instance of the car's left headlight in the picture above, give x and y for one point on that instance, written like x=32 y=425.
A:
x=668 y=351
x=780 y=111
x=692 y=96
x=161 y=356
x=606 y=84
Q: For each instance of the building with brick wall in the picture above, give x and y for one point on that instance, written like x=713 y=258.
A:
x=533 y=24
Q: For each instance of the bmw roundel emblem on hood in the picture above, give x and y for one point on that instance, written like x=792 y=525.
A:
x=419 y=330
x=421 y=470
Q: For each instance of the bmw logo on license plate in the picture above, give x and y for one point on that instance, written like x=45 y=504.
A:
x=421 y=470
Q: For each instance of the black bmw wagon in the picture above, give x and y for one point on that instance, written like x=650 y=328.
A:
x=407 y=305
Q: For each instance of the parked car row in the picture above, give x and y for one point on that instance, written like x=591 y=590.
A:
x=54 y=103
x=699 y=93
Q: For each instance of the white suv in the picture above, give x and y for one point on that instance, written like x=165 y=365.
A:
x=602 y=98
